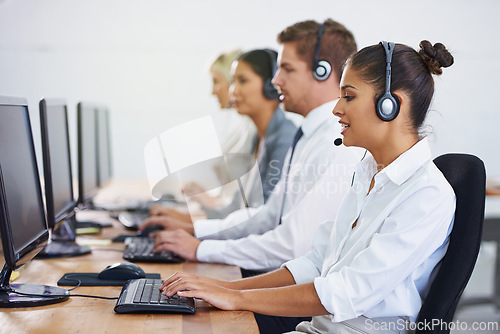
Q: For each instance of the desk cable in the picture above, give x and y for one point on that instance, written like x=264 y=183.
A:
x=70 y=295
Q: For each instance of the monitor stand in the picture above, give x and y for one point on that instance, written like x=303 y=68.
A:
x=62 y=243
x=41 y=294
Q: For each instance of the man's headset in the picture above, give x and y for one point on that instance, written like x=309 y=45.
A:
x=321 y=68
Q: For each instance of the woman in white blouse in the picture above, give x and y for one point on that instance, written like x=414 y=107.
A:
x=370 y=267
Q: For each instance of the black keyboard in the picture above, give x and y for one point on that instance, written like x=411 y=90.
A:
x=140 y=249
x=143 y=296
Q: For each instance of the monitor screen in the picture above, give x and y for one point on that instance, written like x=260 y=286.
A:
x=87 y=153
x=104 y=171
x=24 y=230
x=60 y=201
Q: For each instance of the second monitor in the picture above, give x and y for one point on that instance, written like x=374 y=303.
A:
x=59 y=195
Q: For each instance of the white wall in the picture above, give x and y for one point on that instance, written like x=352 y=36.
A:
x=147 y=60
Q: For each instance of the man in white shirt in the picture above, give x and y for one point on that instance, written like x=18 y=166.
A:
x=320 y=172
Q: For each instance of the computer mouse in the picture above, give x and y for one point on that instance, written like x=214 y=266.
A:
x=148 y=230
x=121 y=272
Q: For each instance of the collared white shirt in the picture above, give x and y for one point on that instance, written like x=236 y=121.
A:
x=382 y=266
x=320 y=176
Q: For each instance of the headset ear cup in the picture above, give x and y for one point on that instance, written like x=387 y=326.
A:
x=322 y=70
x=385 y=113
x=398 y=104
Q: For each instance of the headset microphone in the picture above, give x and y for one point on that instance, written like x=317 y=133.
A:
x=337 y=142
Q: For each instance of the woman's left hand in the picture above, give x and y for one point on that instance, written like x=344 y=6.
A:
x=179 y=241
x=210 y=290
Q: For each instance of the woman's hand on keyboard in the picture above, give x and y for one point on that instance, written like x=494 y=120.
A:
x=168 y=223
x=159 y=210
x=212 y=291
x=179 y=241
x=199 y=194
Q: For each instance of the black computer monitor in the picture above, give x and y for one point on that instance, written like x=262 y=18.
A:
x=59 y=197
x=88 y=161
x=87 y=153
x=104 y=167
x=56 y=152
x=24 y=231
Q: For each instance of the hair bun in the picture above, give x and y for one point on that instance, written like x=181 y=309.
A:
x=435 y=56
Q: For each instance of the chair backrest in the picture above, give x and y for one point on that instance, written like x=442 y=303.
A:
x=466 y=174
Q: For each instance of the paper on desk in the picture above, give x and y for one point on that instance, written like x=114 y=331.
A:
x=93 y=242
x=14 y=276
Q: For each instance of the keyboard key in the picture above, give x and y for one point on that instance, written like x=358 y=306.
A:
x=146 y=294
x=155 y=296
x=164 y=299
x=138 y=292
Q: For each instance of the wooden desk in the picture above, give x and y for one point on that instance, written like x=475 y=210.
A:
x=493 y=191
x=493 y=186
x=89 y=315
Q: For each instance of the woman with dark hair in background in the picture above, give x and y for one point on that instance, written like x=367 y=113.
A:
x=253 y=95
x=237 y=132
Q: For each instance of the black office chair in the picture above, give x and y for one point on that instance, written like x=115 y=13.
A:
x=466 y=174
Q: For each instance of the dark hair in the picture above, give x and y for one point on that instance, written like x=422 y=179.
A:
x=260 y=62
x=337 y=43
x=410 y=72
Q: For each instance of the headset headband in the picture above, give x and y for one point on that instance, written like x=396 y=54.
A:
x=318 y=45
x=321 y=68
x=389 y=49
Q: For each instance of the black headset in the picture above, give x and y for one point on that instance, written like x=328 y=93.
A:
x=269 y=90
x=388 y=104
x=321 y=68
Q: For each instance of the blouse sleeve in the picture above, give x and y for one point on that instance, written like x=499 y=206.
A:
x=307 y=267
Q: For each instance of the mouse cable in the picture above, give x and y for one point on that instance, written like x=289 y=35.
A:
x=70 y=295
x=92 y=296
